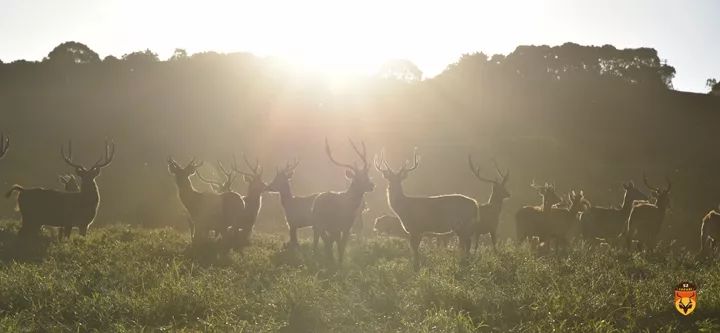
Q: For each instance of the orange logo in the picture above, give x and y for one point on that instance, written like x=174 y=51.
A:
x=685 y=298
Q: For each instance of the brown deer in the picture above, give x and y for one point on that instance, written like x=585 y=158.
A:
x=608 y=223
x=253 y=198
x=219 y=212
x=298 y=209
x=39 y=206
x=442 y=214
x=219 y=186
x=333 y=212
x=489 y=212
x=646 y=218
x=4 y=145
x=709 y=231
x=537 y=220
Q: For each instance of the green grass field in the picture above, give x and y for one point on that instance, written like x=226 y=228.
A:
x=128 y=279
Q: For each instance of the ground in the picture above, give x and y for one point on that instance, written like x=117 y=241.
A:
x=123 y=278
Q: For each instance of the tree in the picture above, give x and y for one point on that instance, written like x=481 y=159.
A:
x=401 y=69
x=179 y=54
x=714 y=86
x=72 y=53
x=141 y=57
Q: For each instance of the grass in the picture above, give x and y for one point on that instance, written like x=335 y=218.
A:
x=122 y=278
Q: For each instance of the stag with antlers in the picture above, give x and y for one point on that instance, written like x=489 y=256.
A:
x=646 y=218
x=298 y=209
x=39 y=206
x=537 y=220
x=333 y=212
x=253 y=198
x=607 y=223
x=219 y=212
x=489 y=212
x=442 y=214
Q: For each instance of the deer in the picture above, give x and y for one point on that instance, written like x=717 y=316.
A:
x=564 y=221
x=335 y=212
x=297 y=209
x=646 y=218
x=709 y=231
x=219 y=212
x=489 y=212
x=4 y=145
x=537 y=220
x=253 y=198
x=40 y=206
x=219 y=186
x=607 y=223
x=438 y=215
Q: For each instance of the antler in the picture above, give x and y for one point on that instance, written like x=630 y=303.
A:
x=68 y=157
x=208 y=181
x=4 y=144
x=645 y=180
x=416 y=159
x=363 y=154
x=109 y=155
x=503 y=177
x=476 y=171
x=381 y=163
x=333 y=160
x=254 y=170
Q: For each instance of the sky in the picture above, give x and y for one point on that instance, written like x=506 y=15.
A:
x=358 y=35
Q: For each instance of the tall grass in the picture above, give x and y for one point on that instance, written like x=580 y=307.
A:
x=128 y=279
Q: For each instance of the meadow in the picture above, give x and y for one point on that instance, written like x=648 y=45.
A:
x=123 y=278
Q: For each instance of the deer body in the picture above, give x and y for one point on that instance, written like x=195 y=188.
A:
x=608 y=223
x=489 y=212
x=297 y=209
x=537 y=220
x=646 y=219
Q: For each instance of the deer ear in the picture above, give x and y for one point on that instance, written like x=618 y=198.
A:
x=349 y=174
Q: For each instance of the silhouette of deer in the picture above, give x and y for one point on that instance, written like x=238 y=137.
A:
x=4 y=145
x=298 y=209
x=646 y=218
x=39 y=206
x=608 y=223
x=219 y=186
x=440 y=214
x=564 y=221
x=333 y=212
x=537 y=220
x=220 y=212
x=489 y=212
x=69 y=182
x=253 y=198
x=709 y=231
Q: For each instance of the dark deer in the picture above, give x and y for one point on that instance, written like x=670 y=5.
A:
x=537 y=220
x=39 y=206
x=298 y=209
x=646 y=219
x=442 y=214
x=489 y=212
x=219 y=212
x=608 y=223
x=253 y=198
x=333 y=212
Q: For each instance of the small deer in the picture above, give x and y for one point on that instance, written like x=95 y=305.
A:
x=69 y=182
x=298 y=209
x=39 y=206
x=333 y=212
x=607 y=223
x=536 y=220
x=709 y=232
x=220 y=212
x=646 y=218
x=219 y=186
x=489 y=212
x=4 y=145
x=253 y=198
x=442 y=214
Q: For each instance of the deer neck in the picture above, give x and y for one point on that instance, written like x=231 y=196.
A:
x=90 y=190
x=546 y=206
x=253 y=199
x=286 y=195
x=185 y=189
x=395 y=195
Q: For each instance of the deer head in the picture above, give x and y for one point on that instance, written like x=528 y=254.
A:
x=283 y=175
x=85 y=174
x=395 y=178
x=661 y=194
x=219 y=186
x=183 y=173
x=254 y=177
x=360 y=181
x=498 y=184
x=4 y=144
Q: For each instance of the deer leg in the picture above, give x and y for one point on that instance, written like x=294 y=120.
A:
x=328 y=243
x=66 y=231
x=342 y=242
x=414 y=246
x=316 y=238
x=293 y=237
x=83 y=230
x=493 y=238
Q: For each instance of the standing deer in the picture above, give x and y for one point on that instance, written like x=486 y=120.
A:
x=333 y=212
x=607 y=223
x=537 y=220
x=440 y=214
x=646 y=219
x=4 y=145
x=219 y=186
x=709 y=231
x=564 y=221
x=489 y=212
x=253 y=198
x=220 y=212
x=39 y=206
x=298 y=209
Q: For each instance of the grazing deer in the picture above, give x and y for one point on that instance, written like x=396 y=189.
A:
x=220 y=212
x=333 y=212
x=710 y=231
x=4 y=145
x=607 y=223
x=69 y=182
x=298 y=209
x=440 y=214
x=219 y=186
x=646 y=219
x=253 y=198
x=39 y=206
x=537 y=220
x=489 y=212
